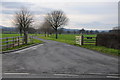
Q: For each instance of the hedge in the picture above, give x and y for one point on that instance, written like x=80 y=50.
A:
x=110 y=40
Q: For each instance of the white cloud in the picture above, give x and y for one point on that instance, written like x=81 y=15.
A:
x=82 y=18
x=6 y=20
x=61 y=0
x=85 y=14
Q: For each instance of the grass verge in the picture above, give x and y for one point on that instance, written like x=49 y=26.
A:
x=101 y=49
x=35 y=41
x=70 y=39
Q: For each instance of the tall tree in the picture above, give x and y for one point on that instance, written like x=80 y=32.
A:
x=56 y=19
x=46 y=28
x=23 y=20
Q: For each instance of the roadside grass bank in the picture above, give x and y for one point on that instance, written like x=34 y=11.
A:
x=102 y=49
x=70 y=39
x=34 y=41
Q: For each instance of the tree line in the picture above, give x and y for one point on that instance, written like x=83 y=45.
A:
x=23 y=20
x=53 y=23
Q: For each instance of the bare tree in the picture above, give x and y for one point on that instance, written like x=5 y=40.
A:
x=56 y=19
x=23 y=20
x=46 y=28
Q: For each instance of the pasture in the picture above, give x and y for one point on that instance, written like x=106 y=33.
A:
x=67 y=38
x=12 y=35
x=70 y=39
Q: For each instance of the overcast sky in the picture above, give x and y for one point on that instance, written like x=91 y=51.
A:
x=87 y=14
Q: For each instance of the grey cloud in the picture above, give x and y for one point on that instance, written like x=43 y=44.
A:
x=8 y=11
x=41 y=10
x=72 y=8
x=95 y=25
x=93 y=8
x=15 y=5
x=11 y=8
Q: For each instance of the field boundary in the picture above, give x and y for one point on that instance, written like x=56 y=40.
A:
x=27 y=46
x=116 y=56
x=11 y=42
x=101 y=49
x=82 y=40
x=32 y=41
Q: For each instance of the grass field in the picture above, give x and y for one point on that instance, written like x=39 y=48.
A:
x=11 y=35
x=70 y=39
x=66 y=38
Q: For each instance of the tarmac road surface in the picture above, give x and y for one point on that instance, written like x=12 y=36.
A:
x=56 y=59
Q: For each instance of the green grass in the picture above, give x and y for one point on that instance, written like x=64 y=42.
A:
x=13 y=35
x=70 y=39
x=102 y=49
x=10 y=35
x=17 y=47
x=35 y=41
x=67 y=38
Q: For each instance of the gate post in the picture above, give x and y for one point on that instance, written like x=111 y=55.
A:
x=82 y=38
x=96 y=41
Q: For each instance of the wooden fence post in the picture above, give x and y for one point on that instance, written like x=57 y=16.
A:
x=96 y=41
x=7 y=43
x=22 y=39
x=13 y=41
x=32 y=39
x=18 y=40
x=82 y=40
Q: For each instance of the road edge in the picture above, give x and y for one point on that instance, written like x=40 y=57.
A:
x=3 y=52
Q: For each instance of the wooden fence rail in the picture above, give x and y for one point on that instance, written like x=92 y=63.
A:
x=9 y=42
x=81 y=40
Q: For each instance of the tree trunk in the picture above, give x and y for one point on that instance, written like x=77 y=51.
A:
x=56 y=34
x=45 y=34
x=20 y=34
x=25 y=37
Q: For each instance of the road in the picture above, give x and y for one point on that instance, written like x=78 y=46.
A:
x=56 y=59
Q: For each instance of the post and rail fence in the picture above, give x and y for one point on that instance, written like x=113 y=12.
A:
x=11 y=42
x=82 y=40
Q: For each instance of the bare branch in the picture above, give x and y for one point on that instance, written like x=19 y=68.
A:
x=23 y=20
x=56 y=19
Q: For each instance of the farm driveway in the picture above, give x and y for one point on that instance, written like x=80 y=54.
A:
x=56 y=59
